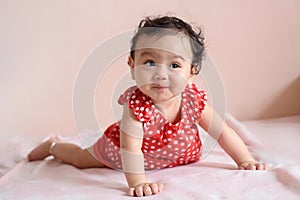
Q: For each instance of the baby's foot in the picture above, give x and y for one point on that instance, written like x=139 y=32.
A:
x=42 y=151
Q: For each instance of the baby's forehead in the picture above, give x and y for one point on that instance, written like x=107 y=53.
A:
x=174 y=45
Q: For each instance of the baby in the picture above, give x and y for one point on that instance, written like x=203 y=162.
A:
x=161 y=113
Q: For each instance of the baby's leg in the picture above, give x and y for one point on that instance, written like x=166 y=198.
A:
x=66 y=152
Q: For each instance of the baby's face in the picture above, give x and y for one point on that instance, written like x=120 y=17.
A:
x=162 y=65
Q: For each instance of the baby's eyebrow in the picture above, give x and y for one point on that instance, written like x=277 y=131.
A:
x=155 y=54
x=147 y=53
x=179 y=57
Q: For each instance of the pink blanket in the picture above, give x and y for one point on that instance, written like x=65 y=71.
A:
x=275 y=141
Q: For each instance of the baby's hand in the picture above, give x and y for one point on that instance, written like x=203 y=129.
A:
x=145 y=189
x=253 y=165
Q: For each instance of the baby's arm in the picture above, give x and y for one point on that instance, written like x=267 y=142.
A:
x=131 y=140
x=229 y=140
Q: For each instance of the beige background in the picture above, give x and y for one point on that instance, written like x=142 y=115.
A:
x=255 y=45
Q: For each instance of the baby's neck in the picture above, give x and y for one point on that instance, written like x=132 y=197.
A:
x=171 y=108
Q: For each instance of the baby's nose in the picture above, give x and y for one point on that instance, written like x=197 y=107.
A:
x=161 y=72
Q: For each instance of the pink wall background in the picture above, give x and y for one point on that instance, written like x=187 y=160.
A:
x=255 y=44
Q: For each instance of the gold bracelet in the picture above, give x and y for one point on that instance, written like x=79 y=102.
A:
x=51 y=147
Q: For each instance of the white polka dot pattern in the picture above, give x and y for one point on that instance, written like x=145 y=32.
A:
x=165 y=144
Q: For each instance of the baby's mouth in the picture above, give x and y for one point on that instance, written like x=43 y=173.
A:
x=159 y=86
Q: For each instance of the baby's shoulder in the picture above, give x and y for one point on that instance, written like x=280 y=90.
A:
x=124 y=98
x=139 y=104
x=193 y=93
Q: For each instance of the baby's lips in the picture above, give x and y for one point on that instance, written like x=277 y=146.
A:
x=159 y=86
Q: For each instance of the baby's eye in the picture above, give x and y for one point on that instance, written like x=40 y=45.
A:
x=150 y=63
x=174 y=65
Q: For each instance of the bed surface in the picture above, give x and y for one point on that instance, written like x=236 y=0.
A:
x=275 y=141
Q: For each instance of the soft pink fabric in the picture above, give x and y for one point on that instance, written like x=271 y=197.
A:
x=214 y=177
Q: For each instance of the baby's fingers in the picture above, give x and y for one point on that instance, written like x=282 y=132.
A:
x=254 y=166
x=140 y=191
x=131 y=192
x=258 y=166
x=262 y=166
x=154 y=188
x=251 y=167
x=137 y=191
x=145 y=189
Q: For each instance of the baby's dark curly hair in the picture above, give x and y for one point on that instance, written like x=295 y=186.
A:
x=158 y=25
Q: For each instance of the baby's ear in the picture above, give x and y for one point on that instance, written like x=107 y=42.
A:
x=130 y=62
x=195 y=69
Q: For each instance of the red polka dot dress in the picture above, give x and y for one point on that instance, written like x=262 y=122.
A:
x=164 y=144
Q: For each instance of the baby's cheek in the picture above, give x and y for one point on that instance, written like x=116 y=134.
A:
x=178 y=84
x=143 y=76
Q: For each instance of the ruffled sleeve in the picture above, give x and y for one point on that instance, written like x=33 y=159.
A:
x=124 y=98
x=201 y=98
x=195 y=101
x=138 y=102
